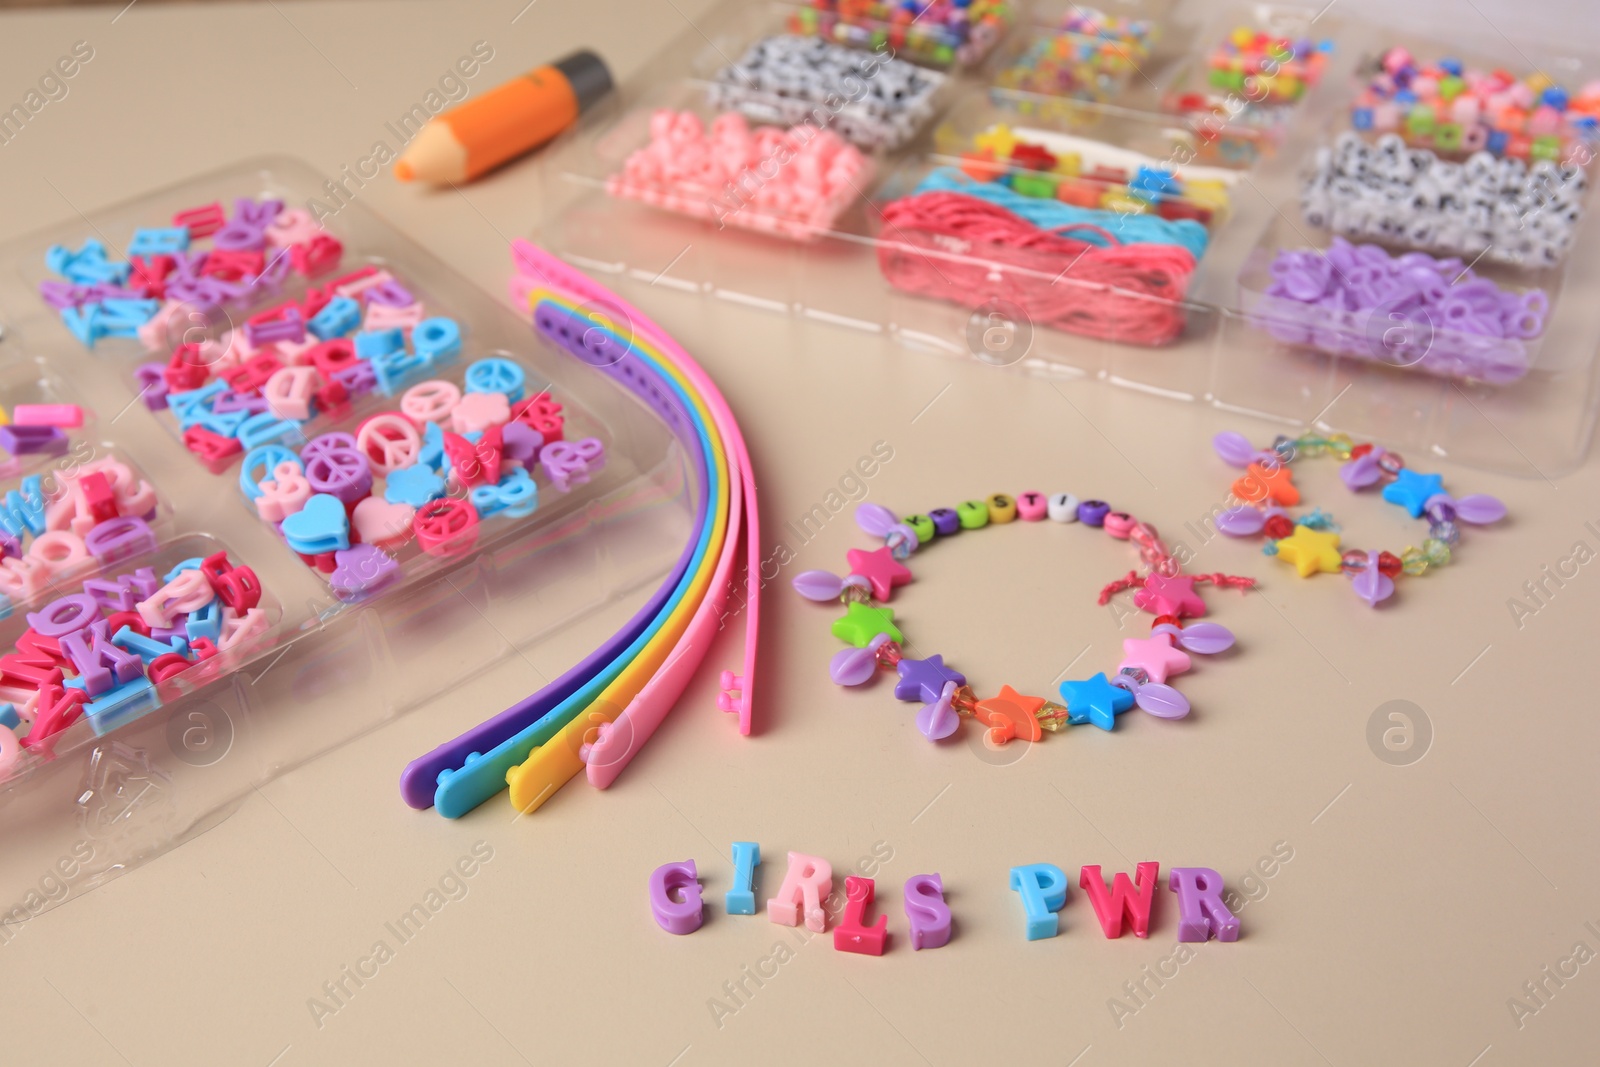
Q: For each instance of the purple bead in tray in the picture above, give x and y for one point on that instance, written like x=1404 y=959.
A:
x=1410 y=310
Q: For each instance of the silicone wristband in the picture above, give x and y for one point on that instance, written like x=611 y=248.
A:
x=424 y=777
x=478 y=779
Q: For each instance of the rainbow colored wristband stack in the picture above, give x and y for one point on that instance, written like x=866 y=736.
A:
x=598 y=715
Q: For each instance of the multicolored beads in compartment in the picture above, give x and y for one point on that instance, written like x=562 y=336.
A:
x=1451 y=108
x=1271 y=69
x=877 y=644
x=1310 y=543
x=347 y=504
x=101 y=653
x=1010 y=158
x=169 y=284
x=792 y=182
x=1087 y=56
x=942 y=32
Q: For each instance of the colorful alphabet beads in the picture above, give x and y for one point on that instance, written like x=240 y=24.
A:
x=791 y=182
x=871 y=100
x=877 y=643
x=1409 y=310
x=940 y=32
x=94 y=513
x=808 y=896
x=170 y=285
x=101 y=653
x=1503 y=210
x=1451 y=108
x=1310 y=543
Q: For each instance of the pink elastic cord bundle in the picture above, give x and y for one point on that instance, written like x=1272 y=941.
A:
x=791 y=182
x=948 y=245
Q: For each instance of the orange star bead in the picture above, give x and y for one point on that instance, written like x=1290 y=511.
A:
x=1011 y=714
x=1258 y=484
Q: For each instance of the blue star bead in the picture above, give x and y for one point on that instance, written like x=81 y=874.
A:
x=1411 y=490
x=1095 y=701
x=924 y=679
x=413 y=486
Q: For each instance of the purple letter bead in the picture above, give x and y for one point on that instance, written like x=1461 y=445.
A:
x=1201 y=912
x=675 y=897
x=120 y=538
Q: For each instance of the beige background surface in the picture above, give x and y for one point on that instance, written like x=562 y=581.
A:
x=1418 y=898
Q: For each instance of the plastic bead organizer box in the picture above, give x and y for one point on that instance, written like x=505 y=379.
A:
x=370 y=473
x=1129 y=195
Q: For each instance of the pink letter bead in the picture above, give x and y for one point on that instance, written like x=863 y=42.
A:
x=1123 y=898
x=289 y=391
x=285 y=493
x=927 y=912
x=1201 y=912
x=1031 y=506
x=187 y=591
x=65 y=416
x=806 y=883
x=675 y=897
x=853 y=934
x=237 y=629
x=59 y=551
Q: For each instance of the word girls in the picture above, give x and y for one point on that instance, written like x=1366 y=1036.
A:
x=676 y=902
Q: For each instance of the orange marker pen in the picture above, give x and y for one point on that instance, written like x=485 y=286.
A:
x=505 y=122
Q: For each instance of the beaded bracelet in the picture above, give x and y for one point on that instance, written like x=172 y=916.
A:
x=1310 y=543
x=878 y=644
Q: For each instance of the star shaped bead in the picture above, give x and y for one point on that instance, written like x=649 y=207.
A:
x=1095 y=701
x=1309 y=551
x=880 y=568
x=1411 y=490
x=924 y=679
x=861 y=624
x=1011 y=714
x=1258 y=484
x=1170 y=596
x=1155 y=655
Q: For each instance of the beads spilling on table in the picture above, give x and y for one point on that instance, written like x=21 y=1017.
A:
x=877 y=644
x=1505 y=210
x=100 y=653
x=790 y=182
x=1310 y=543
x=872 y=101
x=170 y=285
x=1409 y=310
x=1452 y=108
x=942 y=32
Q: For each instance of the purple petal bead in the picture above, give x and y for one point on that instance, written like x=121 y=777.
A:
x=1162 y=701
x=1361 y=472
x=1373 y=586
x=1480 y=509
x=1205 y=638
x=853 y=666
x=1234 y=449
x=818 y=585
x=876 y=520
x=1244 y=521
x=939 y=720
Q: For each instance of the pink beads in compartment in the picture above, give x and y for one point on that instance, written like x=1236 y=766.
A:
x=792 y=182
